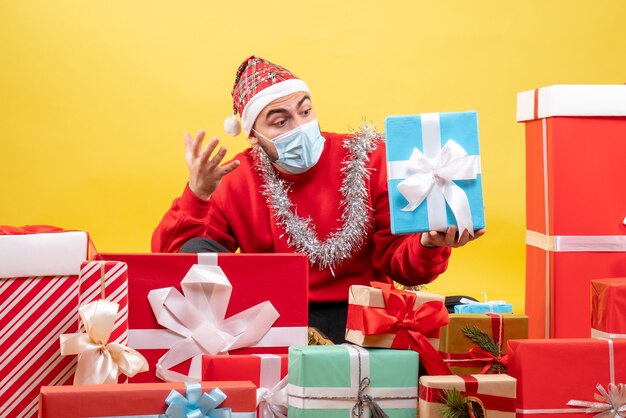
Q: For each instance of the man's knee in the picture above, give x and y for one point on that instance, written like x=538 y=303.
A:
x=202 y=245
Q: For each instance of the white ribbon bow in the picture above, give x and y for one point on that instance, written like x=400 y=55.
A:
x=99 y=361
x=486 y=302
x=467 y=301
x=273 y=403
x=451 y=163
x=611 y=403
x=198 y=317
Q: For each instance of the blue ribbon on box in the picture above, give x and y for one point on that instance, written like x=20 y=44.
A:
x=195 y=405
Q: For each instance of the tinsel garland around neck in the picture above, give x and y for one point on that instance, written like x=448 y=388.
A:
x=301 y=235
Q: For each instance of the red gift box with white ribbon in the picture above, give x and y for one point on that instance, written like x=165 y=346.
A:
x=267 y=371
x=184 y=305
x=575 y=205
x=566 y=377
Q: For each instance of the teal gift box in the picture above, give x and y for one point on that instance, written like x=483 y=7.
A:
x=342 y=381
x=433 y=172
x=483 y=308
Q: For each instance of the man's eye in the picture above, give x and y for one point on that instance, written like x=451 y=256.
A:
x=306 y=112
x=280 y=123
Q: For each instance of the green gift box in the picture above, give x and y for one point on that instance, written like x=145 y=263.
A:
x=345 y=381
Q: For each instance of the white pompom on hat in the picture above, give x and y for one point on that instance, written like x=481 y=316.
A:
x=258 y=83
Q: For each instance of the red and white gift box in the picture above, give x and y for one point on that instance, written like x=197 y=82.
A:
x=106 y=280
x=103 y=309
x=38 y=302
x=155 y=283
x=561 y=376
x=267 y=371
x=575 y=205
x=608 y=308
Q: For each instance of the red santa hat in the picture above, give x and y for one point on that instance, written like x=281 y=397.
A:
x=258 y=83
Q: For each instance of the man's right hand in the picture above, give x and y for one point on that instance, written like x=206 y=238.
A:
x=205 y=173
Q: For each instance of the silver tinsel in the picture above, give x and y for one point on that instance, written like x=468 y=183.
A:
x=342 y=243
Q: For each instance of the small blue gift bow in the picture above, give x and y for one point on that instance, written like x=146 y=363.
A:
x=195 y=405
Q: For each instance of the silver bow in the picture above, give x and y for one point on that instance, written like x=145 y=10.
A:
x=611 y=403
x=273 y=403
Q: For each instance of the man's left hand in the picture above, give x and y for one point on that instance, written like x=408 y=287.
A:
x=448 y=239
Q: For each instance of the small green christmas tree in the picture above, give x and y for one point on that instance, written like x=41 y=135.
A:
x=484 y=341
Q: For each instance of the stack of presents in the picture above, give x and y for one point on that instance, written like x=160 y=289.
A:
x=87 y=334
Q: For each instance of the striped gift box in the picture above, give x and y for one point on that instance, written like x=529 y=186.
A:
x=106 y=280
x=34 y=311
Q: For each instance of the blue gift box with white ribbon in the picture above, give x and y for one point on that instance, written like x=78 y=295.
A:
x=433 y=172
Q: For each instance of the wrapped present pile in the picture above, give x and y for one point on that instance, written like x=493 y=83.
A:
x=220 y=335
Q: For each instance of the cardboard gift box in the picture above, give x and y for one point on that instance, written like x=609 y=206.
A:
x=464 y=356
x=347 y=380
x=39 y=269
x=378 y=315
x=225 y=295
x=138 y=399
x=266 y=371
x=552 y=373
x=574 y=210
x=608 y=308
x=495 y=394
x=433 y=172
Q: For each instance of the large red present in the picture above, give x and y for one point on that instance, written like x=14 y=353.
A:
x=608 y=308
x=207 y=316
x=383 y=316
x=574 y=207
x=552 y=373
x=39 y=269
x=146 y=399
x=267 y=371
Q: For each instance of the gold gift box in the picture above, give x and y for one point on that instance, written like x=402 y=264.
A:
x=454 y=346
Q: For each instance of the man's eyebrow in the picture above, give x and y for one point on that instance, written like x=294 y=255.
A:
x=305 y=98
x=274 y=111
x=283 y=110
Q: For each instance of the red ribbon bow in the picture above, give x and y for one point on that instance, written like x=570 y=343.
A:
x=489 y=359
x=408 y=325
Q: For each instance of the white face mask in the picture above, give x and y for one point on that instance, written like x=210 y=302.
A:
x=300 y=148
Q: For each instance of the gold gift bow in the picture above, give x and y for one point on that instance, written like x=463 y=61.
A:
x=99 y=362
x=611 y=403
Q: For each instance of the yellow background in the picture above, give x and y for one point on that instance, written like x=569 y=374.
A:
x=95 y=96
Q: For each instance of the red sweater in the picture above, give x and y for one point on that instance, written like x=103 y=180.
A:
x=237 y=216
